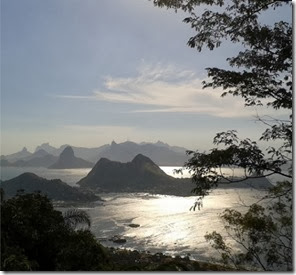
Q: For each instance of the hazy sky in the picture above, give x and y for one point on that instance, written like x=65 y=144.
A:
x=86 y=72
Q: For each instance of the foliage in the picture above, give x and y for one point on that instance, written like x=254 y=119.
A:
x=35 y=236
x=261 y=74
x=264 y=233
x=82 y=253
x=75 y=217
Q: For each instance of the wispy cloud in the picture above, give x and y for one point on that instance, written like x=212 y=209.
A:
x=165 y=88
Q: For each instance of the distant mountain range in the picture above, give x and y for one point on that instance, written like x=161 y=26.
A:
x=40 y=158
x=139 y=175
x=46 y=155
x=54 y=189
x=160 y=153
x=23 y=154
x=67 y=160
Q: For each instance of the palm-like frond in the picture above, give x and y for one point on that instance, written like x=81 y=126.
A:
x=75 y=217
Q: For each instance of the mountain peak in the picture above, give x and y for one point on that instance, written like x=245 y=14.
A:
x=139 y=175
x=28 y=176
x=67 y=153
x=141 y=159
x=68 y=160
x=45 y=144
x=163 y=144
x=103 y=160
x=25 y=149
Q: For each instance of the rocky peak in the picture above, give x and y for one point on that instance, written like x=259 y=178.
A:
x=67 y=160
x=141 y=159
x=45 y=146
x=104 y=160
x=160 y=143
x=67 y=154
x=113 y=143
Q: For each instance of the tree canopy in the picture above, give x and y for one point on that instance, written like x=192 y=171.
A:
x=35 y=236
x=261 y=75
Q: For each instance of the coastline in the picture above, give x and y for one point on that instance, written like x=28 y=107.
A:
x=133 y=260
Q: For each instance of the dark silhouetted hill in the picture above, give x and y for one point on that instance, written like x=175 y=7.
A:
x=67 y=160
x=54 y=189
x=139 y=175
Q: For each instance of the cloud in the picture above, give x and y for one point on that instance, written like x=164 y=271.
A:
x=165 y=88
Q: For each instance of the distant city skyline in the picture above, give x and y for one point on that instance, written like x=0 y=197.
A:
x=86 y=72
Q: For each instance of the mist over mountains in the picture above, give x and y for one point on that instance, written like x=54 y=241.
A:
x=46 y=155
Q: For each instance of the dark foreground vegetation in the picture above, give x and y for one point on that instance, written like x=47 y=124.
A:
x=36 y=237
x=261 y=75
x=126 y=260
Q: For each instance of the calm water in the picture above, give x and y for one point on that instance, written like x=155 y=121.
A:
x=166 y=224
x=71 y=176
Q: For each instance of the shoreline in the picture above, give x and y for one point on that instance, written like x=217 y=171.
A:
x=133 y=260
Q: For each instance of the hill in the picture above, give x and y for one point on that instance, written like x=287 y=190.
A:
x=89 y=154
x=162 y=154
x=39 y=159
x=67 y=160
x=24 y=153
x=139 y=175
x=54 y=189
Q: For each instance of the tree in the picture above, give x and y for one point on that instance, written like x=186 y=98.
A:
x=264 y=233
x=75 y=217
x=263 y=77
x=82 y=253
x=261 y=74
x=35 y=236
x=30 y=224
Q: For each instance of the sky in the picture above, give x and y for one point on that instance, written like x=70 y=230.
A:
x=87 y=72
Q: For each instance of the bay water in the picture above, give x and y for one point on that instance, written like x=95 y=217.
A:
x=165 y=223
